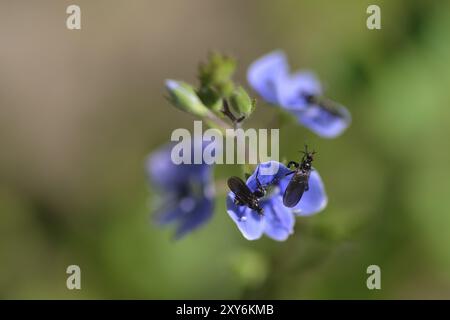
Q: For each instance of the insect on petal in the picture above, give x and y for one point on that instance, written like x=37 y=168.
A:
x=313 y=200
x=249 y=222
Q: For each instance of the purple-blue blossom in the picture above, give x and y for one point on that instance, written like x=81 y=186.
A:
x=277 y=220
x=299 y=93
x=187 y=191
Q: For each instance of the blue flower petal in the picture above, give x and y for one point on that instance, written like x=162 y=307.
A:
x=187 y=191
x=194 y=217
x=324 y=123
x=267 y=179
x=315 y=199
x=292 y=90
x=249 y=222
x=263 y=74
x=279 y=220
x=168 y=176
x=161 y=170
x=170 y=210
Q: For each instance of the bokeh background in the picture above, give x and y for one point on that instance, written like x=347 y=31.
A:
x=80 y=111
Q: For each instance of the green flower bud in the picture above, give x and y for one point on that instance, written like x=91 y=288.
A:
x=217 y=71
x=209 y=97
x=183 y=96
x=226 y=88
x=241 y=102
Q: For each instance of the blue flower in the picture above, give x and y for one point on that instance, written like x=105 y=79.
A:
x=299 y=93
x=187 y=191
x=277 y=220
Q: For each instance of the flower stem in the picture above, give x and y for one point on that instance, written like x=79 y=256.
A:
x=219 y=123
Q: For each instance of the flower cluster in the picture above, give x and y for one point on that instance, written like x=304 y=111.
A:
x=257 y=206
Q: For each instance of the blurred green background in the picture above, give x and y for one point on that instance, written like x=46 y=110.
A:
x=80 y=110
